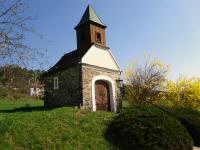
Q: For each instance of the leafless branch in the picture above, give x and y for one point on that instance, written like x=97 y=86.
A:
x=14 y=25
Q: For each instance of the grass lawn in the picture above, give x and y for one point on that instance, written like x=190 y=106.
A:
x=27 y=125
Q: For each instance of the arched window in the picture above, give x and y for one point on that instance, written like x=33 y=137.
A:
x=98 y=37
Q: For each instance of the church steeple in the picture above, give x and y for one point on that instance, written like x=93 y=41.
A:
x=90 y=16
x=90 y=30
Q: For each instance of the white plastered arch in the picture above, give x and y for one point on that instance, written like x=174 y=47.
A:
x=111 y=90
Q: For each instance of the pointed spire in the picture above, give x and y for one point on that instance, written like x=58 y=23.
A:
x=88 y=16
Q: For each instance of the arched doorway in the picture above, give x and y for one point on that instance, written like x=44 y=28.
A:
x=111 y=84
x=102 y=95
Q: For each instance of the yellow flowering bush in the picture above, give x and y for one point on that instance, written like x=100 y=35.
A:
x=148 y=83
x=184 y=92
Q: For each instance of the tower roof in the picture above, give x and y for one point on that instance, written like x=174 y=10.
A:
x=90 y=15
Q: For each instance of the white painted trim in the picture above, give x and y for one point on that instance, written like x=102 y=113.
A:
x=111 y=90
x=114 y=59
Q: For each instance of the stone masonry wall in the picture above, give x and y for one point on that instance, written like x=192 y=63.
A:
x=69 y=92
x=88 y=73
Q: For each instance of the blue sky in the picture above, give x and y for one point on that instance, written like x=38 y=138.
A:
x=168 y=29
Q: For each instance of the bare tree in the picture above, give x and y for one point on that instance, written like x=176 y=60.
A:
x=144 y=83
x=14 y=24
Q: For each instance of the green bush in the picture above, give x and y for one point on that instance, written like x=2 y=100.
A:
x=145 y=127
x=191 y=120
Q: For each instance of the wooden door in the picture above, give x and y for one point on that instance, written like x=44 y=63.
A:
x=102 y=95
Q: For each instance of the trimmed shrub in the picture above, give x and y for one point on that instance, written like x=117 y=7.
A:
x=191 y=120
x=145 y=127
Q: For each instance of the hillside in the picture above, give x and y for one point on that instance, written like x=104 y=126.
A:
x=27 y=125
x=29 y=128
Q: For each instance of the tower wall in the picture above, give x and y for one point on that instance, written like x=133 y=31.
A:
x=94 y=29
x=83 y=37
x=87 y=35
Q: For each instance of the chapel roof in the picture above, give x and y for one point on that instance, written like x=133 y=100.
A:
x=90 y=16
x=67 y=61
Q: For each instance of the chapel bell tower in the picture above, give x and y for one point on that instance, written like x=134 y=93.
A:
x=90 y=30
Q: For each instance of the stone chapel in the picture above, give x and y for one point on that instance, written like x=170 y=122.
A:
x=89 y=76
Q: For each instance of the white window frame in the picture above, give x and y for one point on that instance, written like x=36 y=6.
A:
x=55 y=83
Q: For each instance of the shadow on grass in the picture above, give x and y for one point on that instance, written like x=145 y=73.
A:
x=26 y=109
